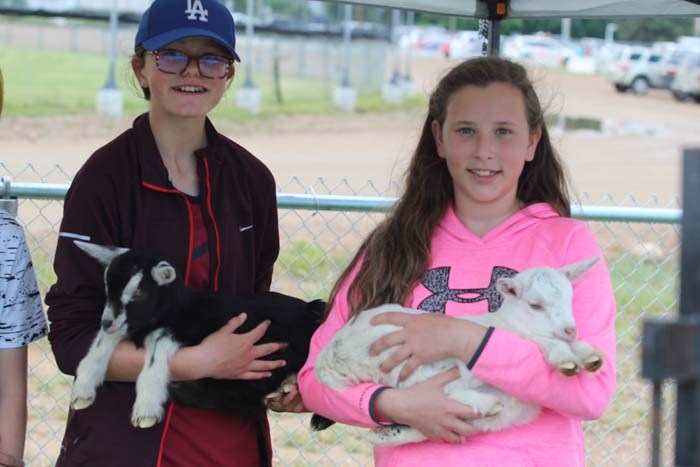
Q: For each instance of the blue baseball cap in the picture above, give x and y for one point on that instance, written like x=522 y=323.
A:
x=166 y=21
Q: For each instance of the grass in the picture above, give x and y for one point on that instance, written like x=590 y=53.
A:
x=53 y=82
x=305 y=260
x=643 y=289
x=43 y=267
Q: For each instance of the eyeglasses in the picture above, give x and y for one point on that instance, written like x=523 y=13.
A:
x=174 y=62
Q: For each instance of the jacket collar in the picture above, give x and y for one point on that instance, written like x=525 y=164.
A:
x=153 y=170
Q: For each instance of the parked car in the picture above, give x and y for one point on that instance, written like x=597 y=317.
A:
x=431 y=37
x=686 y=83
x=665 y=71
x=463 y=44
x=630 y=68
x=535 y=50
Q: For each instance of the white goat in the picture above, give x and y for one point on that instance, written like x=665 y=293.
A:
x=536 y=306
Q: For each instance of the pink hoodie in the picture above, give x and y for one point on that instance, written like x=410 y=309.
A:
x=534 y=236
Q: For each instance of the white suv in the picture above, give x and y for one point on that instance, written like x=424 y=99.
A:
x=686 y=84
x=633 y=68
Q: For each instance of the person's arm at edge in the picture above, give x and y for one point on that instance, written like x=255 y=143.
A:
x=13 y=401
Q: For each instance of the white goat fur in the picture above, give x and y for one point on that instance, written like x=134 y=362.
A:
x=537 y=306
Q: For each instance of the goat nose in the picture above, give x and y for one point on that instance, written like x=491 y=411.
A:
x=570 y=332
x=106 y=324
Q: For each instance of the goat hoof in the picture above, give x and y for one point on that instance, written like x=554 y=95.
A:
x=593 y=363
x=289 y=387
x=289 y=384
x=569 y=368
x=145 y=421
x=80 y=403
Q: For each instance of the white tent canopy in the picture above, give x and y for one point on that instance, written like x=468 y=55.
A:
x=549 y=8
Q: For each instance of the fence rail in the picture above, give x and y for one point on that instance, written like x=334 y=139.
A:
x=320 y=227
x=315 y=202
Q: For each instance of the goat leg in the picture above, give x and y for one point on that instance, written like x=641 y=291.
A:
x=592 y=358
x=560 y=354
x=92 y=369
x=152 y=383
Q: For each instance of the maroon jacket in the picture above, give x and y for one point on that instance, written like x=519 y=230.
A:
x=121 y=196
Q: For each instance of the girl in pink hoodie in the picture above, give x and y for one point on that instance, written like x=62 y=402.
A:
x=486 y=195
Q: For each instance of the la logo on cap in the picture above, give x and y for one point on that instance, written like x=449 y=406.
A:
x=195 y=8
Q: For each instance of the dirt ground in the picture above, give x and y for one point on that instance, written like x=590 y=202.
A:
x=638 y=153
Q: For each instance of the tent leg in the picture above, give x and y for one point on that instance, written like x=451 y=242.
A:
x=494 y=38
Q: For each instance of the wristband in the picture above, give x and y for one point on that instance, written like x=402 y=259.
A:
x=372 y=413
x=480 y=349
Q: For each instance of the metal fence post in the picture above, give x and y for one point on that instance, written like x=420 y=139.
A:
x=671 y=349
x=7 y=202
x=688 y=414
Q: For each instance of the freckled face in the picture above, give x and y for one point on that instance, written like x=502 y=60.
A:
x=187 y=94
x=486 y=141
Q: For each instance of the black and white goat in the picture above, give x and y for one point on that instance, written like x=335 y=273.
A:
x=536 y=305
x=148 y=303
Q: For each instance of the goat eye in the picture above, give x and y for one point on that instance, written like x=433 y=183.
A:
x=536 y=307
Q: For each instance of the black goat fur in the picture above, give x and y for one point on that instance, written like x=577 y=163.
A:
x=190 y=316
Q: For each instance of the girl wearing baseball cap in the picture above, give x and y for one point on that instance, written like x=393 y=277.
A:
x=173 y=185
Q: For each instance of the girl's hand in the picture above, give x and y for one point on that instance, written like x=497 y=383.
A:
x=425 y=338
x=225 y=355
x=425 y=407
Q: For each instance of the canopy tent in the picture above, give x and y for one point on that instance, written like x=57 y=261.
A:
x=532 y=9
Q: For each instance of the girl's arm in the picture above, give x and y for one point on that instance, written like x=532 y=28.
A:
x=77 y=298
x=518 y=367
x=22 y=322
x=268 y=241
x=350 y=406
x=13 y=401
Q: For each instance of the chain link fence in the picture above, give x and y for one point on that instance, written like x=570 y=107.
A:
x=318 y=242
x=302 y=55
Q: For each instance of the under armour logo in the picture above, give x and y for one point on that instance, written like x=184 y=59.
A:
x=436 y=280
x=195 y=8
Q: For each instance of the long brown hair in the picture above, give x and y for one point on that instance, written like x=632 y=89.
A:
x=396 y=254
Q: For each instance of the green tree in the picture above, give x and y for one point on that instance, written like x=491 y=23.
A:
x=653 y=29
x=645 y=30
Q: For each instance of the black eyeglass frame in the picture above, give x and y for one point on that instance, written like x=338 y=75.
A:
x=156 y=53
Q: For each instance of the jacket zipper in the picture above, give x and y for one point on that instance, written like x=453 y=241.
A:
x=190 y=218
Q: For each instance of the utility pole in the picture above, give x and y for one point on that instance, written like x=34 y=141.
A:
x=109 y=99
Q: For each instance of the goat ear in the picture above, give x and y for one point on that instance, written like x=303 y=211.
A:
x=509 y=286
x=103 y=254
x=575 y=271
x=163 y=273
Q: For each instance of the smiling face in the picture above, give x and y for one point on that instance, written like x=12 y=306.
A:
x=486 y=141
x=187 y=94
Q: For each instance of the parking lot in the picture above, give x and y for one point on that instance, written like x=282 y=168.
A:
x=637 y=151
